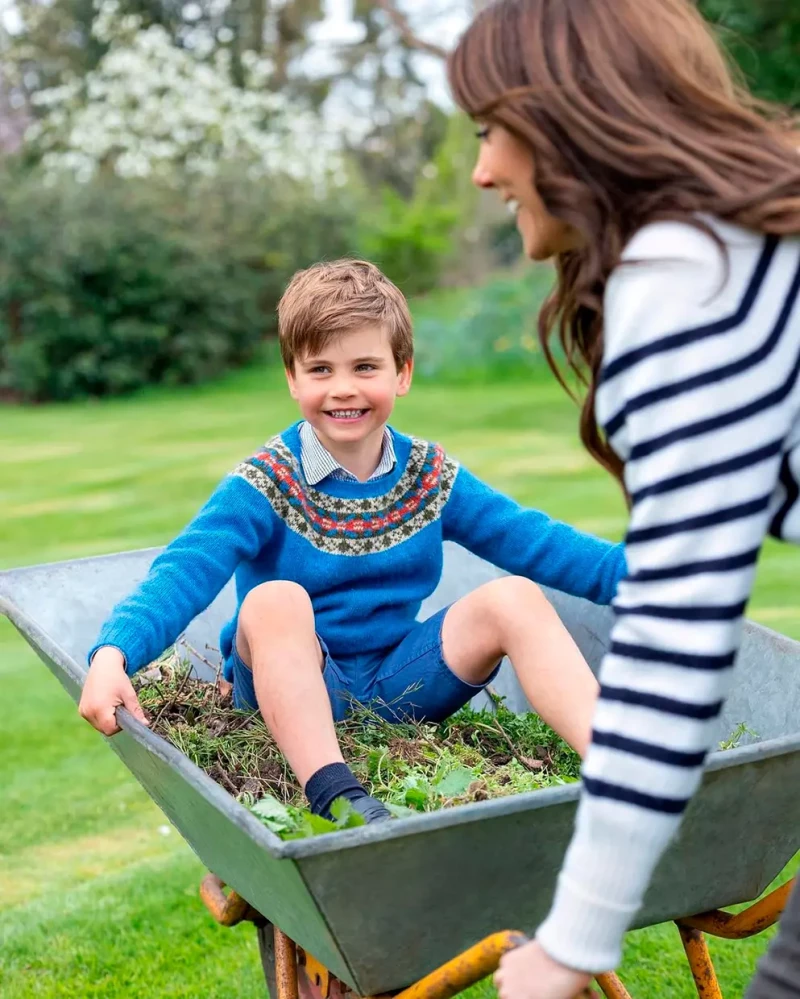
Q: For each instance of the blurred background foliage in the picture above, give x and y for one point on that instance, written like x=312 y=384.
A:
x=166 y=166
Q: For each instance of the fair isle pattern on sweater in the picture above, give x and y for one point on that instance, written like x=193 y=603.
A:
x=353 y=526
x=263 y=523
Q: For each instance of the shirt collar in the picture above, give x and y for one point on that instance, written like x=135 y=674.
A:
x=318 y=463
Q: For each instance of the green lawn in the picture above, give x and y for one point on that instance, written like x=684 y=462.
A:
x=97 y=894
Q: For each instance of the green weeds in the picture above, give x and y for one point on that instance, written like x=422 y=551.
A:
x=473 y=756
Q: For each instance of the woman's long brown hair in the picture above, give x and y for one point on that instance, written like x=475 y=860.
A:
x=633 y=115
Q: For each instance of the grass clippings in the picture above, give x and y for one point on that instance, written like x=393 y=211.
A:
x=473 y=756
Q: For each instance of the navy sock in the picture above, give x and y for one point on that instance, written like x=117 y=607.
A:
x=336 y=780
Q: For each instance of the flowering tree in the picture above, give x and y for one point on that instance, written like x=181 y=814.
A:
x=151 y=107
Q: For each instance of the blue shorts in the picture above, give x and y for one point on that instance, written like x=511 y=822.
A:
x=410 y=683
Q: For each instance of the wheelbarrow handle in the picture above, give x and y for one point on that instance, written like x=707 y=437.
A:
x=476 y=963
x=227 y=910
x=466 y=969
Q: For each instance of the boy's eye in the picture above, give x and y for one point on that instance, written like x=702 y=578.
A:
x=366 y=367
x=320 y=369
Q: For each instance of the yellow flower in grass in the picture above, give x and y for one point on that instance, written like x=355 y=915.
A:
x=502 y=344
x=529 y=343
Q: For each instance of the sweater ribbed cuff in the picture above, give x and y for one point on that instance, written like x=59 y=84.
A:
x=107 y=645
x=582 y=932
x=606 y=872
x=128 y=652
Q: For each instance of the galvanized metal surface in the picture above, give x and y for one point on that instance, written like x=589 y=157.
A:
x=383 y=906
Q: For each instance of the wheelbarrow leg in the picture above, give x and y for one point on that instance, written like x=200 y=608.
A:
x=731 y=926
x=285 y=966
x=705 y=978
x=266 y=948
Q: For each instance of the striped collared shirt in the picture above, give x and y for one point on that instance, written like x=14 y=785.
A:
x=318 y=463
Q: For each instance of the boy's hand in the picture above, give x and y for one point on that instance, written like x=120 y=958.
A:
x=108 y=687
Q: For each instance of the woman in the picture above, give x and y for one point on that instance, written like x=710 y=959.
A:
x=670 y=202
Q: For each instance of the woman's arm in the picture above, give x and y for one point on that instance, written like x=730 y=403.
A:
x=699 y=371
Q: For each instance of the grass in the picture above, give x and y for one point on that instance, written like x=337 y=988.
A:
x=98 y=896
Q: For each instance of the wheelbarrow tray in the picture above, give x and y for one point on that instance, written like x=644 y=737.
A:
x=381 y=906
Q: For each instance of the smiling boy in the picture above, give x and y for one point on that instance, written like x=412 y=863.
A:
x=334 y=532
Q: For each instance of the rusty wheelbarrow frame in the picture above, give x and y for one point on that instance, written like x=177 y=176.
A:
x=293 y=973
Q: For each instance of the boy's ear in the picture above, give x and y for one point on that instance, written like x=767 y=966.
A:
x=291 y=382
x=404 y=377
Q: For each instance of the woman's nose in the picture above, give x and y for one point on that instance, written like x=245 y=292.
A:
x=481 y=176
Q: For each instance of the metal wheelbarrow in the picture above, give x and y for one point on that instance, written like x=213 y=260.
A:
x=444 y=882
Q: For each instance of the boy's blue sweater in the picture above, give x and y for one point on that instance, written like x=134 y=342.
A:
x=367 y=553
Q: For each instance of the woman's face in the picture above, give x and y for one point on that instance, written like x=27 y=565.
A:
x=506 y=164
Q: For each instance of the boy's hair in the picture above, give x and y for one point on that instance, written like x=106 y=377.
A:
x=329 y=299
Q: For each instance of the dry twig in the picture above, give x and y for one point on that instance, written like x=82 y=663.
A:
x=403 y=27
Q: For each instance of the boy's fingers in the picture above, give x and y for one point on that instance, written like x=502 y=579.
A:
x=131 y=702
x=108 y=724
x=102 y=720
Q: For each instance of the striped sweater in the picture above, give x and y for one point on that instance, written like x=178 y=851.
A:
x=699 y=397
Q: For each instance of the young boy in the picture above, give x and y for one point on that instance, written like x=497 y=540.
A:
x=334 y=532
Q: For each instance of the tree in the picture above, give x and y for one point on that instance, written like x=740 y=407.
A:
x=763 y=36
x=401 y=22
x=55 y=42
x=150 y=106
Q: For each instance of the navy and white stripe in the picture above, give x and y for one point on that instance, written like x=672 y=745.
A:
x=318 y=463
x=699 y=396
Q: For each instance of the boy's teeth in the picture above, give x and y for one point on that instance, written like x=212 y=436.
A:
x=346 y=414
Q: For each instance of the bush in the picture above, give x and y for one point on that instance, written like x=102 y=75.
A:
x=492 y=330
x=410 y=241
x=764 y=38
x=112 y=285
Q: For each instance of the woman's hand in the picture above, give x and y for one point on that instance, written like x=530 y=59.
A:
x=107 y=688
x=530 y=973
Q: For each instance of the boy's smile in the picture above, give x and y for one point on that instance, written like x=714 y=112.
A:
x=347 y=393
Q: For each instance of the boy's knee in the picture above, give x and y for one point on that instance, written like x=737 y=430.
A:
x=505 y=600
x=280 y=602
x=512 y=592
x=494 y=605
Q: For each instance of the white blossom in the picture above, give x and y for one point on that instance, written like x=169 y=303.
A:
x=153 y=108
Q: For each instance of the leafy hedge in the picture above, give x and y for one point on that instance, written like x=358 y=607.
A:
x=494 y=329
x=763 y=36
x=112 y=285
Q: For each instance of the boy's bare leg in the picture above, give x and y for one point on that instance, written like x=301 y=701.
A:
x=277 y=639
x=511 y=616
